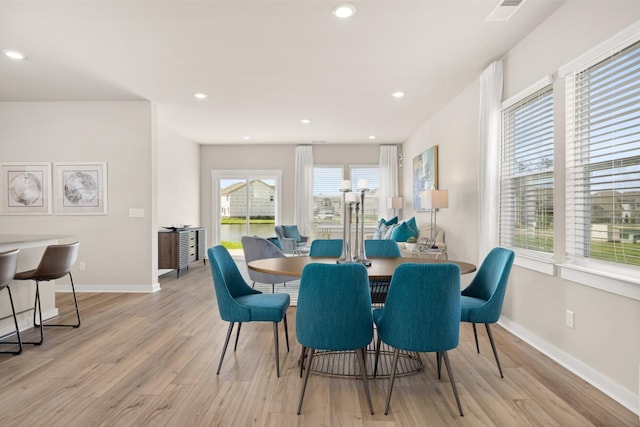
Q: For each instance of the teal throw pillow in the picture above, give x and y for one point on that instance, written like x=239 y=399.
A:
x=402 y=232
x=275 y=241
x=291 y=232
x=411 y=222
x=391 y=221
x=384 y=227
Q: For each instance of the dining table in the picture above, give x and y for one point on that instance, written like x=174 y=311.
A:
x=342 y=363
x=380 y=268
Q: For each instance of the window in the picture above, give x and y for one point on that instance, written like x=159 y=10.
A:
x=603 y=159
x=372 y=175
x=327 y=198
x=526 y=184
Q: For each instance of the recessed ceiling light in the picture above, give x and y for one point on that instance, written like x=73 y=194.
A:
x=200 y=95
x=14 y=54
x=398 y=94
x=372 y=137
x=305 y=121
x=344 y=10
x=246 y=137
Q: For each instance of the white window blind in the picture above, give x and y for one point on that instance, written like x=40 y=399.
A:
x=327 y=198
x=371 y=202
x=603 y=159
x=526 y=178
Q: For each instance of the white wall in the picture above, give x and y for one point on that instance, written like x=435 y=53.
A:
x=119 y=252
x=604 y=346
x=178 y=180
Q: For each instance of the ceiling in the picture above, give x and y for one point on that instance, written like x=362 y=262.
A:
x=264 y=64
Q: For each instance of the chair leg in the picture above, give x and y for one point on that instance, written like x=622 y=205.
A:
x=375 y=363
x=226 y=343
x=37 y=309
x=75 y=301
x=275 y=339
x=493 y=347
x=360 y=353
x=306 y=378
x=253 y=285
x=17 y=332
x=235 y=346
x=475 y=335
x=439 y=362
x=396 y=353
x=286 y=330
x=301 y=361
x=453 y=382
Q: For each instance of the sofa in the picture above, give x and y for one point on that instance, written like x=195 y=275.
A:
x=401 y=230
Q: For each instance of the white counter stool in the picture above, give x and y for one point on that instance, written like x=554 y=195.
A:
x=8 y=266
x=56 y=262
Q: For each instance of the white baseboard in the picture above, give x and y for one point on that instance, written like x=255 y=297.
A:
x=123 y=288
x=605 y=384
x=25 y=320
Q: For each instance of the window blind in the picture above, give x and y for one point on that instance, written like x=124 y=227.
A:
x=603 y=159
x=327 y=198
x=371 y=202
x=526 y=177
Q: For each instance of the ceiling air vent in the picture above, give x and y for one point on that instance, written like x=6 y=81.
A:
x=504 y=10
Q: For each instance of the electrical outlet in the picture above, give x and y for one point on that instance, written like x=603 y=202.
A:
x=570 y=318
x=82 y=265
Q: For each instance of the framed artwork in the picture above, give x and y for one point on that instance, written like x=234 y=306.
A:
x=425 y=175
x=81 y=188
x=26 y=188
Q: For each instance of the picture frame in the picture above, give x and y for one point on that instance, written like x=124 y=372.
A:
x=26 y=188
x=425 y=175
x=81 y=188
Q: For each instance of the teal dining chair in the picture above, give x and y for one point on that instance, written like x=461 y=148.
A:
x=421 y=314
x=326 y=248
x=482 y=300
x=381 y=248
x=240 y=303
x=384 y=248
x=334 y=314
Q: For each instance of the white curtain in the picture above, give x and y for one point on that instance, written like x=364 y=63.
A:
x=303 y=209
x=489 y=157
x=388 y=166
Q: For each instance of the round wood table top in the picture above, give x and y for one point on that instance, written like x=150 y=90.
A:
x=380 y=268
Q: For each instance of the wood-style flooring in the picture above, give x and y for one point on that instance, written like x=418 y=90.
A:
x=151 y=359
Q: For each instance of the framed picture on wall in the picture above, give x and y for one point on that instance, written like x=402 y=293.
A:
x=81 y=188
x=26 y=188
x=425 y=175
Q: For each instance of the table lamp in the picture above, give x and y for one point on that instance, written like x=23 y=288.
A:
x=434 y=200
x=396 y=204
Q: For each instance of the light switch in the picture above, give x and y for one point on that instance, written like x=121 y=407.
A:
x=136 y=213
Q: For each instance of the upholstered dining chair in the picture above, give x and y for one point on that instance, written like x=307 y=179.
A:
x=334 y=313
x=8 y=266
x=385 y=248
x=56 y=262
x=482 y=299
x=326 y=248
x=421 y=315
x=240 y=303
x=290 y=238
x=258 y=248
x=381 y=248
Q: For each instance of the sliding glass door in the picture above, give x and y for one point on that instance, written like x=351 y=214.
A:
x=245 y=203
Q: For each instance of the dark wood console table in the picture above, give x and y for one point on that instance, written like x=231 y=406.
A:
x=179 y=248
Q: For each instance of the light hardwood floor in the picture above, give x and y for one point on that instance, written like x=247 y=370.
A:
x=151 y=359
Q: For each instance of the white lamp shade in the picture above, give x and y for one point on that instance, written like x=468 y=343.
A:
x=434 y=199
x=396 y=202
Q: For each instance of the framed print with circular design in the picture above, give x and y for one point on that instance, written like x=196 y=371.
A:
x=81 y=188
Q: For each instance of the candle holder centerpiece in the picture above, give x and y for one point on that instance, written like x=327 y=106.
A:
x=347 y=196
x=361 y=255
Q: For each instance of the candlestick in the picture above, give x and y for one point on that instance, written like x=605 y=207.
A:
x=363 y=184
x=346 y=185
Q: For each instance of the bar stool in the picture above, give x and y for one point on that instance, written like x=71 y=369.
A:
x=8 y=266
x=56 y=262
